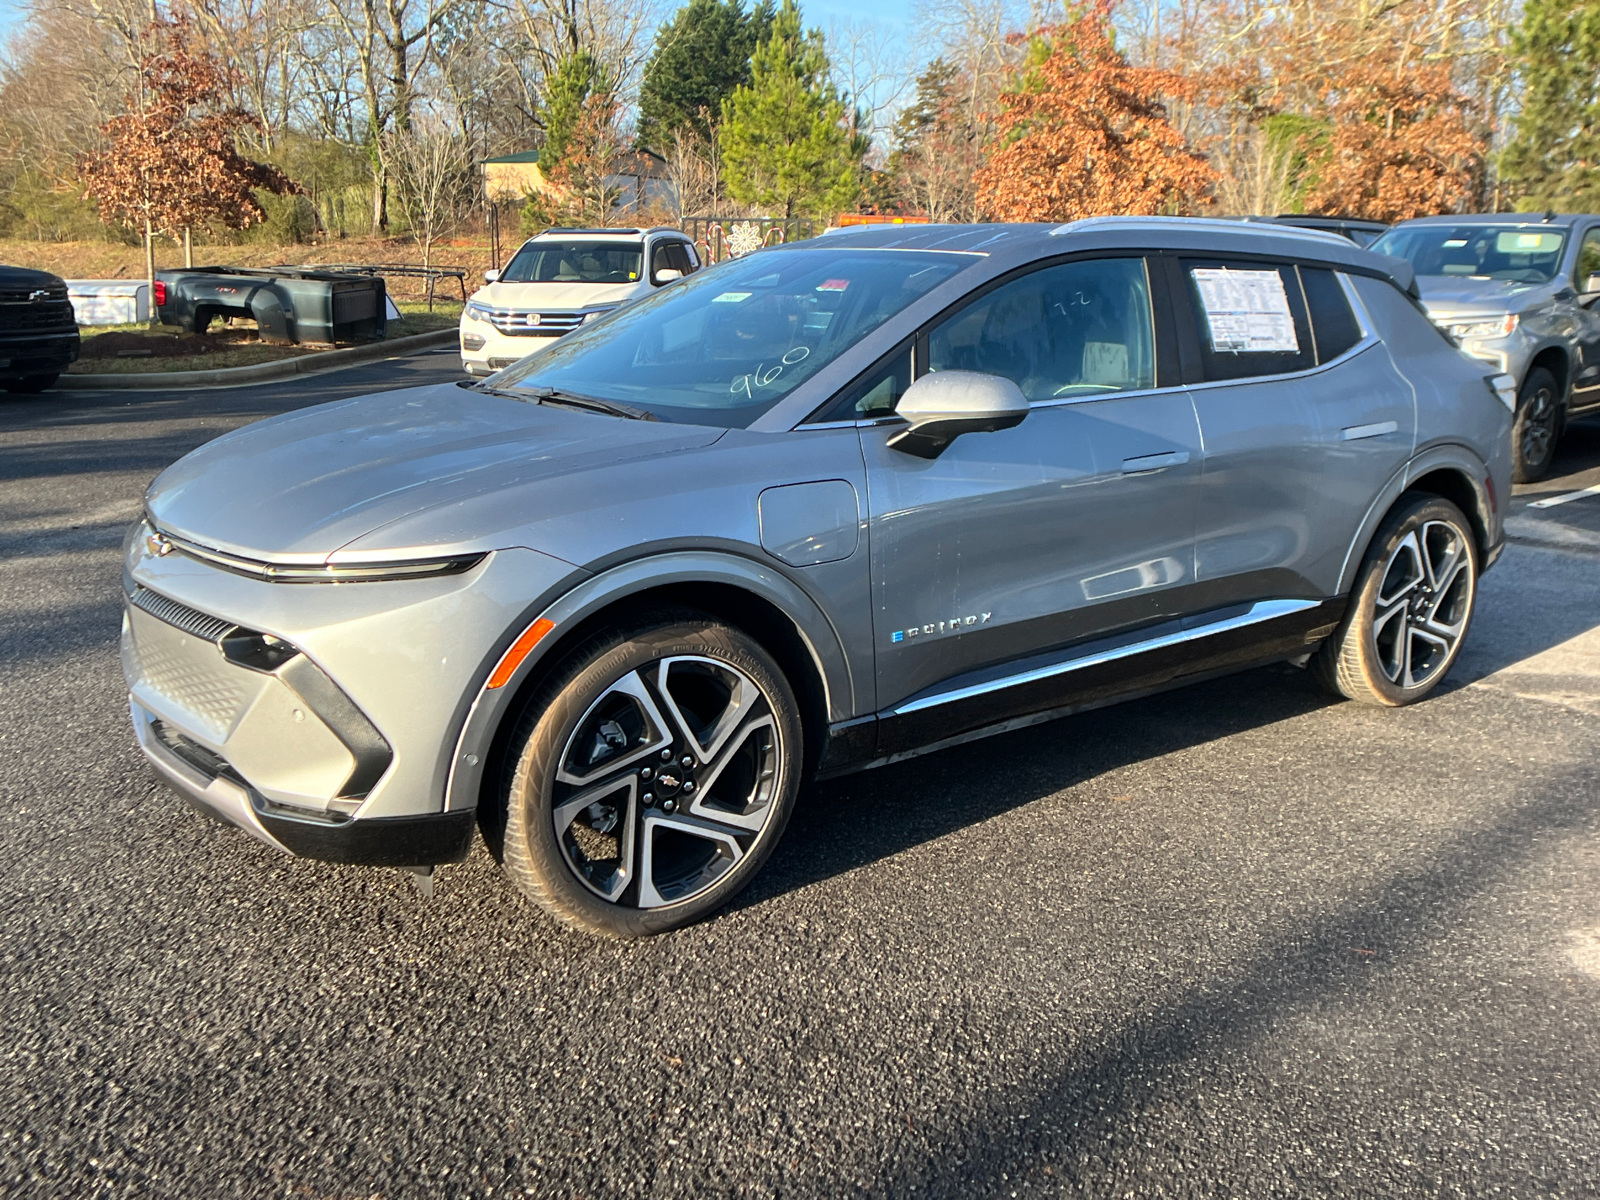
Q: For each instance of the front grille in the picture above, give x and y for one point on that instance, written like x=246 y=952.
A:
x=535 y=324
x=197 y=756
x=179 y=616
x=23 y=316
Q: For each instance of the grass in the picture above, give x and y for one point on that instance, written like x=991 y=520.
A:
x=414 y=319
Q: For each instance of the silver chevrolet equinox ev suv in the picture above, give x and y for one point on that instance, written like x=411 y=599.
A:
x=812 y=510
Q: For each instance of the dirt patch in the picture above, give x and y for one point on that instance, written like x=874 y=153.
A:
x=145 y=345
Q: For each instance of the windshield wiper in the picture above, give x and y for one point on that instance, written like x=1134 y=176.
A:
x=550 y=395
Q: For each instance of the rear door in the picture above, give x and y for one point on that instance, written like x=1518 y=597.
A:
x=1304 y=419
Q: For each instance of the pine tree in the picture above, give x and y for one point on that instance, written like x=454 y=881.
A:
x=786 y=144
x=1553 y=160
x=700 y=57
x=577 y=77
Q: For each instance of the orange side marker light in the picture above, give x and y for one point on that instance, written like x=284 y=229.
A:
x=520 y=649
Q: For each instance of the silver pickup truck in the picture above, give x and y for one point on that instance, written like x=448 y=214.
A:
x=1517 y=291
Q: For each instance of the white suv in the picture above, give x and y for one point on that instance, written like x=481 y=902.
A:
x=561 y=279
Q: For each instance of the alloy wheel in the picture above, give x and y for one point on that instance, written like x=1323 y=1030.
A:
x=1423 y=603
x=667 y=781
x=1538 y=426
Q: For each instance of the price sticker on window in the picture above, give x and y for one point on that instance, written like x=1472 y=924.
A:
x=1247 y=311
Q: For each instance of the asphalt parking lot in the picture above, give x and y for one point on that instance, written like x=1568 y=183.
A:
x=1236 y=940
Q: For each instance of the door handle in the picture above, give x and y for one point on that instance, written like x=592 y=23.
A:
x=1378 y=429
x=1147 y=463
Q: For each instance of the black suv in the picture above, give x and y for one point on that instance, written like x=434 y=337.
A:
x=38 y=329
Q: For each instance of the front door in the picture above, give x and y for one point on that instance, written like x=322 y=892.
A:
x=1075 y=523
x=1586 y=370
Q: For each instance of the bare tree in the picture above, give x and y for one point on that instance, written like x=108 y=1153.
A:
x=431 y=169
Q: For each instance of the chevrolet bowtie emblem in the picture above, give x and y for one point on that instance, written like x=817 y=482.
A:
x=157 y=545
x=38 y=297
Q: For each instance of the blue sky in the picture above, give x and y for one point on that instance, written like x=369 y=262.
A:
x=10 y=12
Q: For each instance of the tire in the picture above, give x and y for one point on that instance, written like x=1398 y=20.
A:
x=31 y=385
x=1536 y=427
x=650 y=777
x=1410 y=609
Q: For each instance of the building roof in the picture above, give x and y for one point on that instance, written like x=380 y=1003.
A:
x=527 y=156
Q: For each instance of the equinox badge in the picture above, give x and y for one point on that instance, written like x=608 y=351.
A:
x=953 y=625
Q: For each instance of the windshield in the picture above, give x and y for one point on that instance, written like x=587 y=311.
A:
x=1516 y=253
x=574 y=262
x=724 y=346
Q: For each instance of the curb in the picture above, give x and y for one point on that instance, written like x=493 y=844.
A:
x=284 y=368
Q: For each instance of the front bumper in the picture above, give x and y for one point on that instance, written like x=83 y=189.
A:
x=485 y=350
x=23 y=355
x=320 y=718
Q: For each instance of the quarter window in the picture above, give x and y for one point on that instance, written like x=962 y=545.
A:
x=1250 y=318
x=1076 y=329
x=1333 y=325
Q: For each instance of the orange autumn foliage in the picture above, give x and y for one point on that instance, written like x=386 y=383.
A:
x=1084 y=133
x=1401 y=145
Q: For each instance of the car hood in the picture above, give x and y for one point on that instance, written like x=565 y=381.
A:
x=17 y=277
x=298 y=487
x=556 y=297
x=1456 y=295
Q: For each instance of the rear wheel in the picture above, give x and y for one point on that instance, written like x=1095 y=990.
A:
x=1409 y=610
x=31 y=385
x=652 y=777
x=1536 y=427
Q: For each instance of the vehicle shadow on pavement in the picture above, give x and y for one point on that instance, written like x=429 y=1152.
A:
x=1083 y=1127
x=916 y=801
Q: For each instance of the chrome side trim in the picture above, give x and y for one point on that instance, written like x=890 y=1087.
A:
x=1262 y=610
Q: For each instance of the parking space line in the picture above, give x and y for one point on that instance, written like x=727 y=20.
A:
x=1565 y=497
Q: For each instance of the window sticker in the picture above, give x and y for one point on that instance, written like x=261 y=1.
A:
x=732 y=297
x=1247 y=311
x=1454 y=243
x=833 y=285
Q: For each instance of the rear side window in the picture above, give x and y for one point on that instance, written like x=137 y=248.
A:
x=1250 y=318
x=1075 y=329
x=1333 y=325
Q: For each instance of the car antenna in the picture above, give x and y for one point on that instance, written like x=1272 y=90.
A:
x=1550 y=215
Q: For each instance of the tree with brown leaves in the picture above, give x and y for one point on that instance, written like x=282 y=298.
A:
x=1085 y=133
x=173 y=161
x=1401 y=145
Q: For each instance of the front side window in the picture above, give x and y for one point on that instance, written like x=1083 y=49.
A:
x=728 y=343
x=1250 y=318
x=1513 y=253
x=574 y=261
x=1075 y=329
x=1588 y=258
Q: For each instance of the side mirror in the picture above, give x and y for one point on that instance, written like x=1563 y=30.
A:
x=1591 y=285
x=491 y=276
x=667 y=275
x=944 y=405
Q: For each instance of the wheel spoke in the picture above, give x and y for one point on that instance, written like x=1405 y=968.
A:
x=1408 y=557
x=755 y=794
x=707 y=734
x=655 y=890
x=1435 y=651
x=596 y=831
x=609 y=745
x=1391 y=633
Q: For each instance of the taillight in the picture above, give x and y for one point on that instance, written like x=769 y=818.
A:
x=161 y=294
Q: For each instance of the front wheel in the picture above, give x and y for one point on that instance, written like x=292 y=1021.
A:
x=651 y=777
x=1536 y=427
x=1409 y=610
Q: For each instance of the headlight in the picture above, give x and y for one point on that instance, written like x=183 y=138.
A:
x=594 y=314
x=477 y=312
x=1491 y=327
